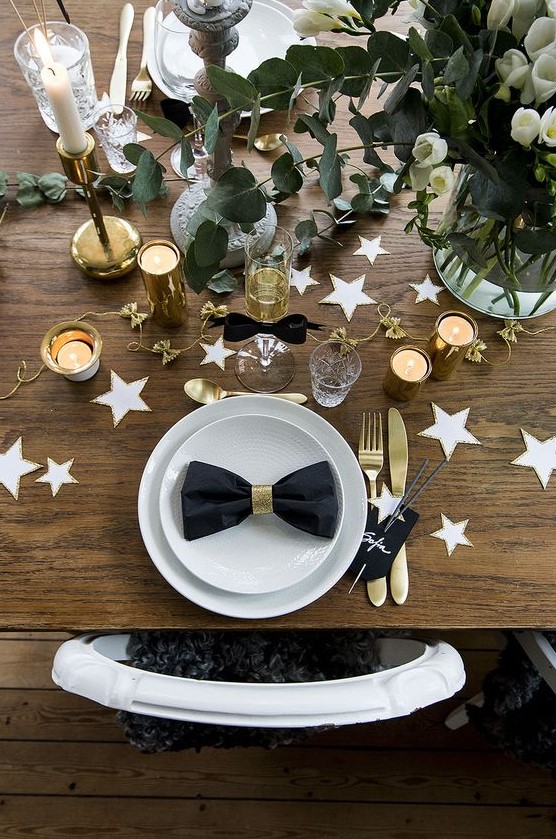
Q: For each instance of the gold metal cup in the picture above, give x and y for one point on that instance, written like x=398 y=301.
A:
x=165 y=288
x=105 y=247
x=64 y=333
x=400 y=384
x=449 y=342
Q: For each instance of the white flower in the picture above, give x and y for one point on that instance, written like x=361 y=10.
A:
x=429 y=149
x=541 y=37
x=333 y=8
x=525 y=12
x=442 y=179
x=499 y=13
x=551 y=8
x=419 y=176
x=526 y=123
x=543 y=77
x=513 y=68
x=547 y=131
x=308 y=23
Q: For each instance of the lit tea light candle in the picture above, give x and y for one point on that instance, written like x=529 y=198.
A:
x=72 y=349
x=160 y=262
x=409 y=368
x=454 y=332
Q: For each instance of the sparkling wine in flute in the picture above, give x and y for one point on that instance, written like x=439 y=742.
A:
x=267 y=293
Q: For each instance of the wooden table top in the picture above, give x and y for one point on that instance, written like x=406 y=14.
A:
x=77 y=561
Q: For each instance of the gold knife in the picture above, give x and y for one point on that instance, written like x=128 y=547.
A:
x=398 y=458
x=118 y=82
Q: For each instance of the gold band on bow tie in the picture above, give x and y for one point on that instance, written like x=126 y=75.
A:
x=261 y=499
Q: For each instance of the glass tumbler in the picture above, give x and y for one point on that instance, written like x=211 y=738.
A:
x=114 y=131
x=70 y=47
x=175 y=62
x=335 y=367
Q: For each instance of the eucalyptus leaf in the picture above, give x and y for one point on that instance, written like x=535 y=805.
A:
x=467 y=249
x=223 y=282
x=53 y=186
x=357 y=68
x=162 y=126
x=393 y=53
x=198 y=276
x=3 y=183
x=211 y=244
x=307 y=122
x=317 y=65
x=396 y=97
x=457 y=67
x=187 y=158
x=274 y=79
x=237 y=196
x=287 y=178
x=239 y=92
x=329 y=169
x=28 y=195
x=536 y=241
x=254 y=123
x=211 y=130
x=419 y=46
x=201 y=108
x=148 y=179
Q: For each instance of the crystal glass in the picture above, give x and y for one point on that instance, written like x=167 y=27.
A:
x=114 y=131
x=70 y=47
x=266 y=364
x=335 y=367
x=172 y=52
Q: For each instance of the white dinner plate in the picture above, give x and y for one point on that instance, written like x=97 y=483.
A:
x=253 y=606
x=266 y=32
x=263 y=553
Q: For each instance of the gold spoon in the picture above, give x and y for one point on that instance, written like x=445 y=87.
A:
x=266 y=142
x=205 y=391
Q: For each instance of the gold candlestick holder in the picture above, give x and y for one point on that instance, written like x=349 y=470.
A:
x=105 y=247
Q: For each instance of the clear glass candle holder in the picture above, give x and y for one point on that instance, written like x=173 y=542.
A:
x=115 y=129
x=69 y=46
x=335 y=367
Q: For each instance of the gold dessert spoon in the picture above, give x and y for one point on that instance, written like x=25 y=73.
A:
x=266 y=142
x=206 y=391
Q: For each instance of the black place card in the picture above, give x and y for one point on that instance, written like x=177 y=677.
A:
x=379 y=549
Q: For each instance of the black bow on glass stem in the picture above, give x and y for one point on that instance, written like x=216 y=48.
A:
x=214 y=499
x=291 y=329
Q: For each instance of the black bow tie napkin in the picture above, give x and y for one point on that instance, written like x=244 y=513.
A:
x=214 y=499
x=291 y=329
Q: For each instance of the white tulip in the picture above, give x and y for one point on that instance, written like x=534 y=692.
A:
x=419 y=176
x=525 y=12
x=547 y=131
x=499 y=13
x=526 y=123
x=541 y=38
x=513 y=69
x=543 y=77
x=429 y=149
x=333 y=8
x=442 y=179
x=308 y=23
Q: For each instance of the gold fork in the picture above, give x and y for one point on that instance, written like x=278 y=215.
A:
x=141 y=86
x=371 y=460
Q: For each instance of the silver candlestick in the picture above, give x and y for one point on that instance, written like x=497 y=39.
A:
x=213 y=37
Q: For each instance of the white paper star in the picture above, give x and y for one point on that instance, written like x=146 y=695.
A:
x=217 y=353
x=370 y=248
x=348 y=295
x=427 y=290
x=13 y=466
x=123 y=397
x=540 y=456
x=57 y=474
x=449 y=429
x=385 y=503
x=301 y=280
x=452 y=533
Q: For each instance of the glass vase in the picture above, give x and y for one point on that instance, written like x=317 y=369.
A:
x=503 y=268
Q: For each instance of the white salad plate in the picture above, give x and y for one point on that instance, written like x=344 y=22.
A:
x=262 y=553
x=253 y=605
x=266 y=32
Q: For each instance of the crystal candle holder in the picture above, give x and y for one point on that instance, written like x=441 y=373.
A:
x=72 y=349
x=69 y=46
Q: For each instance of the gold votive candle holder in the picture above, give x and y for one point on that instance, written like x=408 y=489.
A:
x=454 y=332
x=161 y=267
x=72 y=349
x=409 y=367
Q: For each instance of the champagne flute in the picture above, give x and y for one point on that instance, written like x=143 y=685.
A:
x=266 y=364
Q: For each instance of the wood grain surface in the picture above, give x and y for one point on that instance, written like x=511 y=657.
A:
x=77 y=561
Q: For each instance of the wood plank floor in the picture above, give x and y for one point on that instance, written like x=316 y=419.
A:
x=66 y=771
